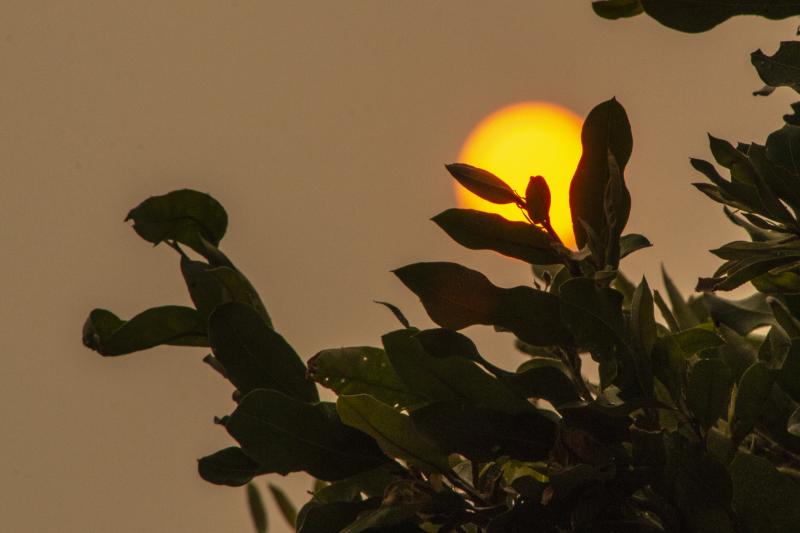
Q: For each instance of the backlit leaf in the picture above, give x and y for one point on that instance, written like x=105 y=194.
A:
x=483 y=183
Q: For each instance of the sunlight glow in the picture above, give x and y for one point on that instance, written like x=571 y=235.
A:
x=523 y=140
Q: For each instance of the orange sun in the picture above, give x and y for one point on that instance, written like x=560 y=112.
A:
x=523 y=140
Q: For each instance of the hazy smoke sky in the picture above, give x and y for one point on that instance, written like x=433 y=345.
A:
x=323 y=127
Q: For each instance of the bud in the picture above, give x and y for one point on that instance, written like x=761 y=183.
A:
x=537 y=199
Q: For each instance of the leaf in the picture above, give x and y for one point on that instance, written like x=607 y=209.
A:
x=781 y=69
x=606 y=130
x=632 y=242
x=449 y=378
x=483 y=183
x=286 y=435
x=666 y=312
x=544 y=378
x=643 y=332
x=793 y=424
x=697 y=339
x=783 y=148
x=257 y=510
x=284 y=504
x=693 y=16
x=593 y=314
x=385 y=518
x=708 y=390
x=398 y=314
x=764 y=499
x=184 y=216
x=454 y=296
x=537 y=199
x=680 y=309
x=210 y=286
x=317 y=517
x=481 y=434
x=361 y=370
x=230 y=466
x=617 y=207
x=742 y=316
x=393 y=431
x=477 y=230
x=441 y=343
x=751 y=395
x=616 y=9
x=789 y=374
x=173 y=325
x=255 y=356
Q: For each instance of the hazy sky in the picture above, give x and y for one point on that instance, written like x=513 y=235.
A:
x=323 y=128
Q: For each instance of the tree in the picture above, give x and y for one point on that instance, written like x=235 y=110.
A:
x=694 y=425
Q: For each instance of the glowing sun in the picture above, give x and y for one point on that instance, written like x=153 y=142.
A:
x=523 y=140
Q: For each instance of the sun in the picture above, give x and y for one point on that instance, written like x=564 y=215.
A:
x=523 y=140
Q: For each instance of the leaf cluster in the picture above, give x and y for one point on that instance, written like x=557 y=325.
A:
x=693 y=425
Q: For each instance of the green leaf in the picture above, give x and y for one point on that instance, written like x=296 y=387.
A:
x=537 y=199
x=230 y=466
x=789 y=374
x=783 y=148
x=617 y=207
x=255 y=356
x=784 y=317
x=398 y=314
x=698 y=338
x=546 y=379
x=632 y=242
x=751 y=395
x=257 y=510
x=693 y=16
x=284 y=504
x=765 y=500
x=643 y=332
x=606 y=130
x=477 y=230
x=616 y=9
x=173 y=325
x=680 y=309
x=708 y=390
x=317 y=517
x=481 y=434
x=184 y=216
x=210 y=286
x=483 y=183
x=666 y=312
x=285 y=435
x=742 y=316
x=361 y=370
x=593 y=314
x=393 y=431
x=456 y=297
x=781 y=69
x=449 y=378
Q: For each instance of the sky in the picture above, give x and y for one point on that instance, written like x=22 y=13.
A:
x=323 y=128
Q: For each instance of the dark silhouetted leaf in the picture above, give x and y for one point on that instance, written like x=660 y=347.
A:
x=783 y=148
x=230 y=466
x=477 y=230
x=537 y=199
x=593 y=314
x=481 y=434
x=742 y=316
x=546 y=379
x=316 y=517
x=361 y=370
x=184 y=216
x=789 y=374
x=680 y=308
x=632 y=242
x=751 y=395
x=781 y=69
x=616 y=9
x=697 y=339
x=257 y=510
x=398 y=314
x=643 y=332
x=393 y=430
x=284 y=504
x=286 y=435
x=693 y=16
x=450 y=378
x=708 y=390
x=617 y=207
x=255 y=356
x=483 y=183
x=174 y=325
x=764 y=499
x=606 y=130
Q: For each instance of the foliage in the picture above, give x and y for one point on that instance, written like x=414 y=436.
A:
x=693 y=426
